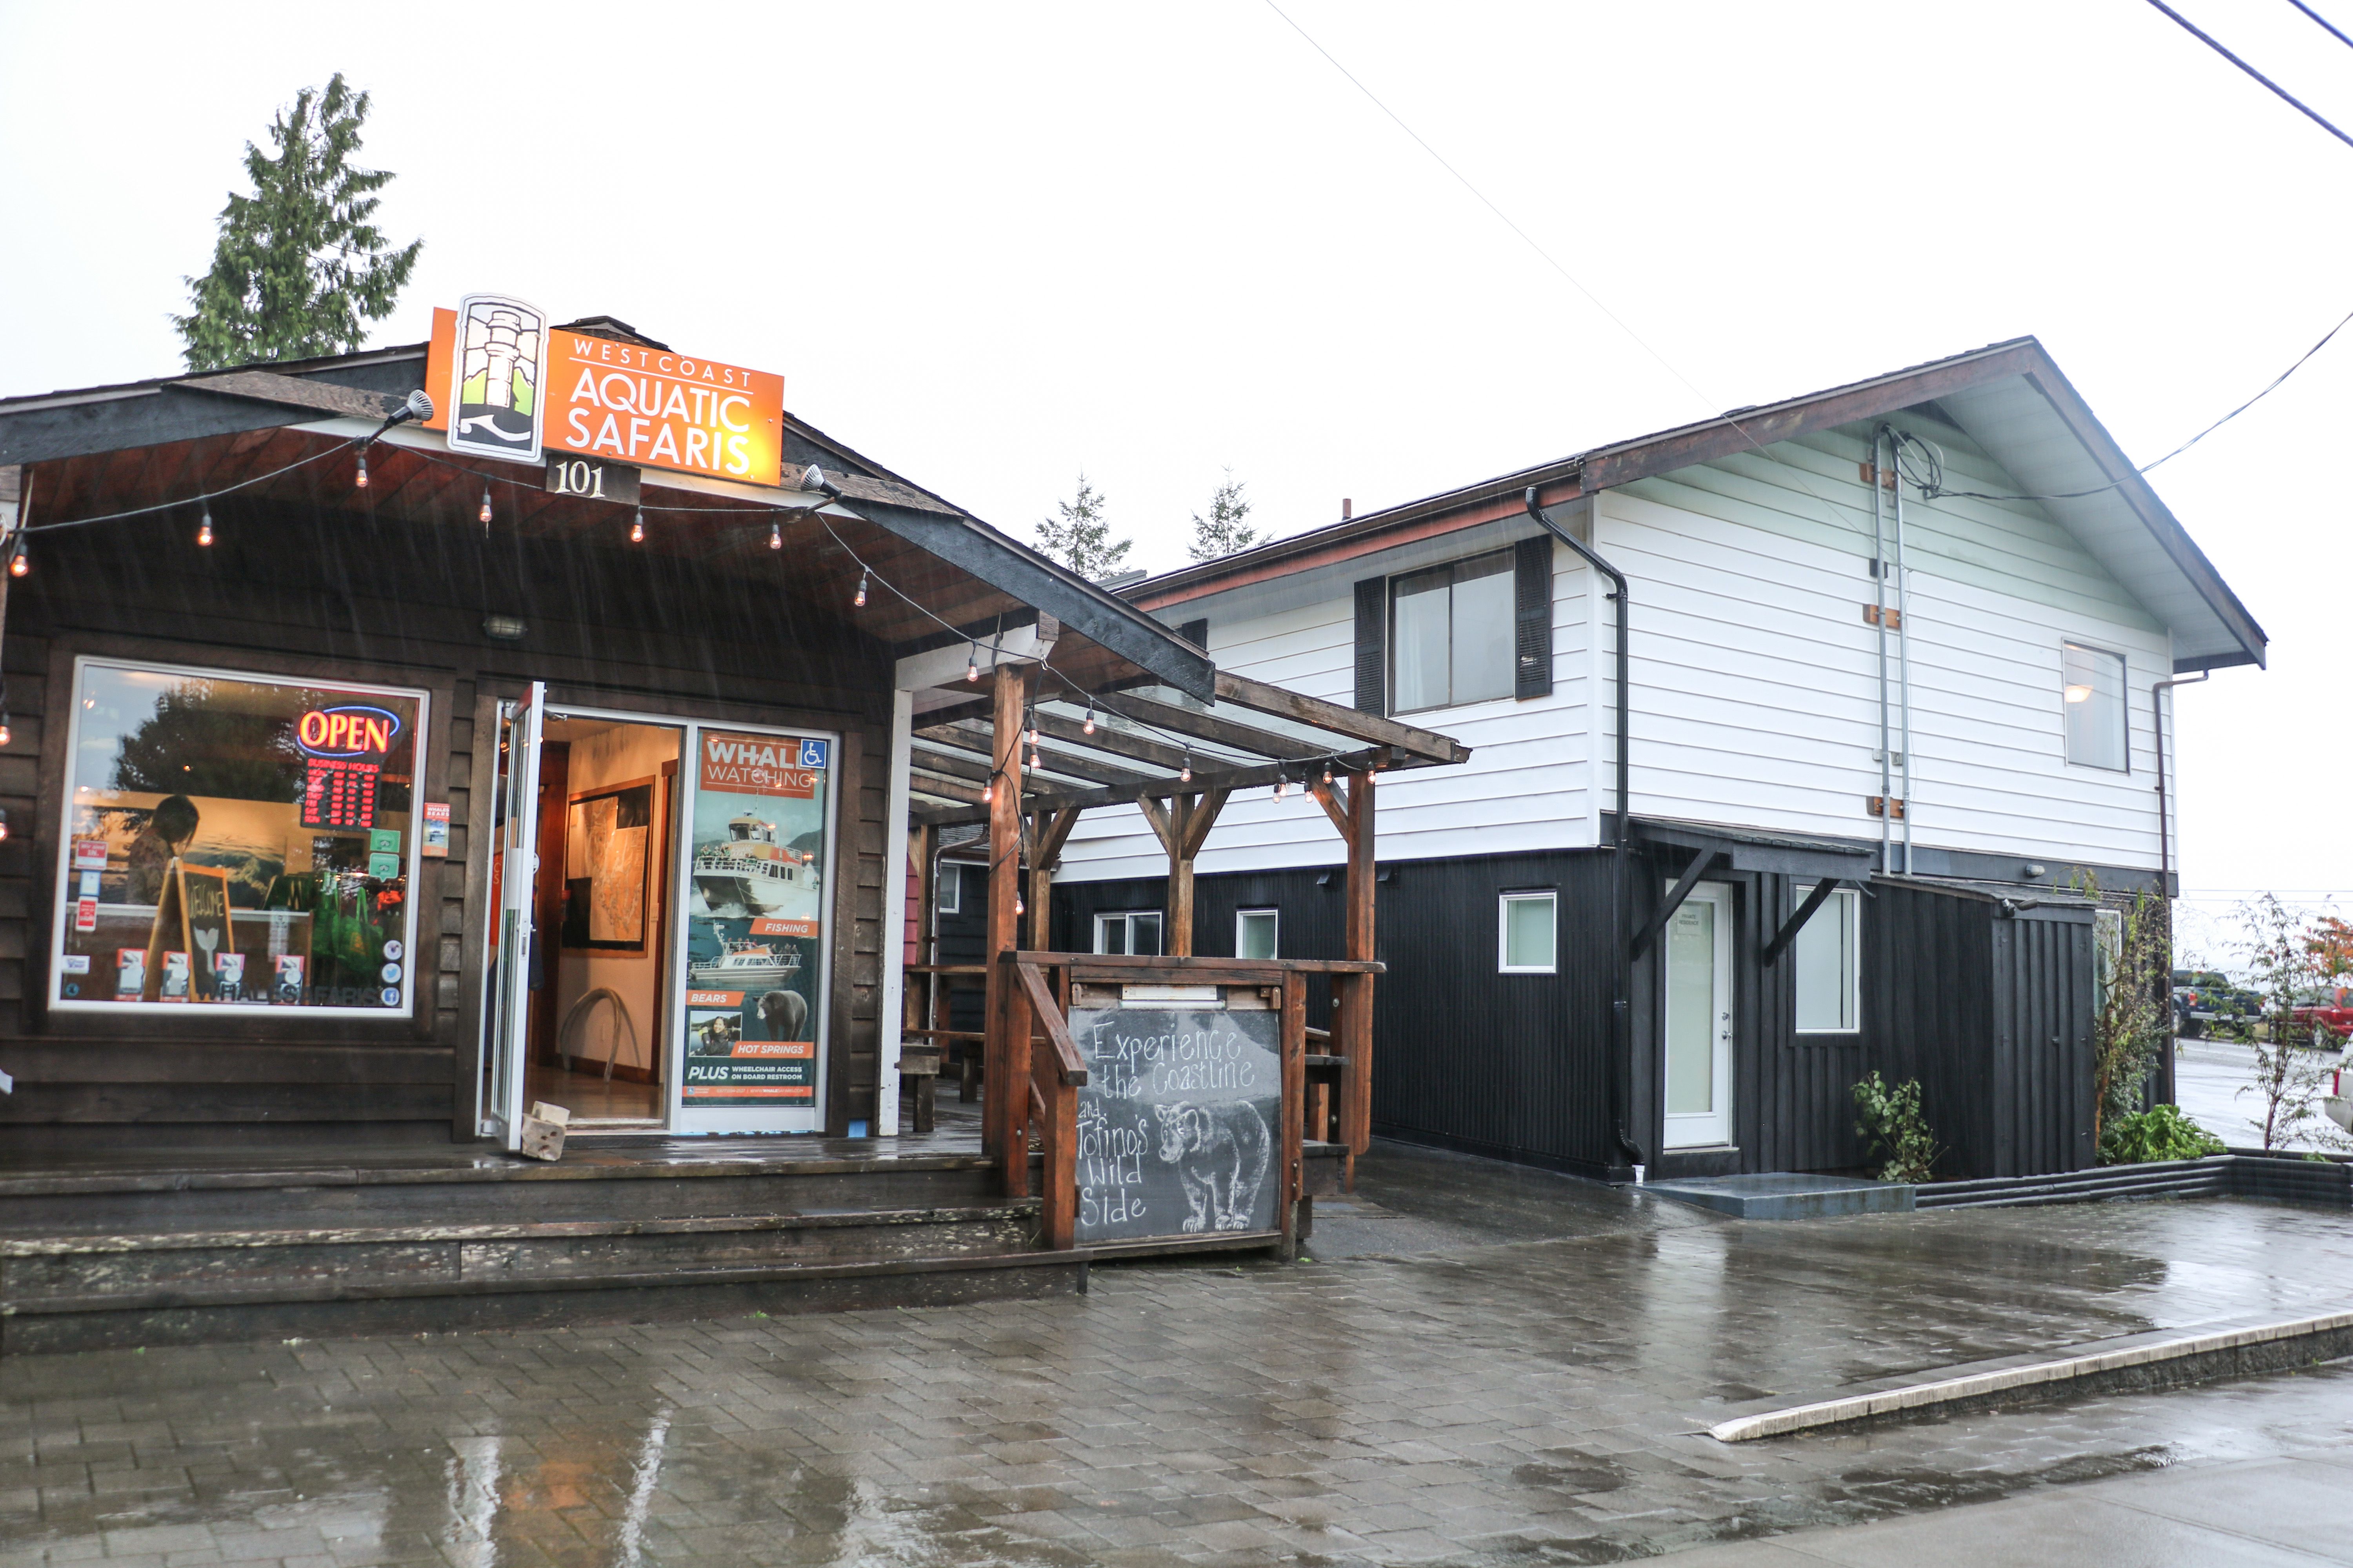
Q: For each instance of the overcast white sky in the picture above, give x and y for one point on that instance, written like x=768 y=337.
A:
x=994 y=245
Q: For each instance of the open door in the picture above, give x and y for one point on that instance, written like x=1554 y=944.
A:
x=514 y=868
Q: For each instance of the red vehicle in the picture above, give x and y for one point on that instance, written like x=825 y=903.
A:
x=2327 y=1024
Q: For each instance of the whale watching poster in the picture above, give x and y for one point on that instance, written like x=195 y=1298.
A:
x=756 y=920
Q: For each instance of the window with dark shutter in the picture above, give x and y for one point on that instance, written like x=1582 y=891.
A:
x=1532 y=667
x=1372 y=645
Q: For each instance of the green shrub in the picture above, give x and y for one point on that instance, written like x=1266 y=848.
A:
x=1892 y=1125
x=2161 y=1133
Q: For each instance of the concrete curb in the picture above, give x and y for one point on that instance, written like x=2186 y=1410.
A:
x=2262 y=1347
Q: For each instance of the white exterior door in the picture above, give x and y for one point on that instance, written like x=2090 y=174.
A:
x=507 y=976
x=1698 y=1019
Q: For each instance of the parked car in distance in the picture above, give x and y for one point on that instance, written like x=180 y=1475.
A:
x=2326 y=1022
x=2202 y=996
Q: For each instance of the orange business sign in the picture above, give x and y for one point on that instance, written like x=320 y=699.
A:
x=652 y=408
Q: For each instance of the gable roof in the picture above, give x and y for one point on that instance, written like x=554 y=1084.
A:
x=2009 y=397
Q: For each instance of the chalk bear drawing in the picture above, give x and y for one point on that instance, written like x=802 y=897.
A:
x=1220 y=1152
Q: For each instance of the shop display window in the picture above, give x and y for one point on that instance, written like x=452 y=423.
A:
x=236 y=840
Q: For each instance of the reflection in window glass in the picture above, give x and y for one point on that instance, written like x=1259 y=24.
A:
x=2092 y=694
x=1528 y=934
x=1451 y=634
x=237 y=840
x=1135 y=933
x=1823 y=960
x=1254 y=933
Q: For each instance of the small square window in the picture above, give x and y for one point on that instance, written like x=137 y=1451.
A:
x=1254 y=933
x=1135 y=933
x=1528 y=934
x=2092 y=694
x=1826 y=967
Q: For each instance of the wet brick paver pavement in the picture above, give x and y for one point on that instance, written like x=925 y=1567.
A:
x=1501 y=1401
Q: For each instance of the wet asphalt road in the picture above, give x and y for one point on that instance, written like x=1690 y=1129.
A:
x=1484 y=1366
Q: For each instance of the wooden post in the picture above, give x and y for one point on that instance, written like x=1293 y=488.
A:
x=1295 y=1080
x=1004 y=1089
x=1050 y=831
x=1355 y=1037
x=1182 y=826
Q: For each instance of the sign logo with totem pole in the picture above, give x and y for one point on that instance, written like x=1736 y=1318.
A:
x=498 y=369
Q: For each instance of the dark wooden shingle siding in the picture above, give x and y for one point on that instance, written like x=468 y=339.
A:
x=287 y=591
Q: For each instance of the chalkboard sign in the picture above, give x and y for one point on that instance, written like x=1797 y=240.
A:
x=191 y=927
x=1179 y=1121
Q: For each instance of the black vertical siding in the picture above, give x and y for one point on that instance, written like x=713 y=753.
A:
x=1990 y=1011
x=1464 y=1057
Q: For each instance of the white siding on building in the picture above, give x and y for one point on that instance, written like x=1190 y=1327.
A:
x=1756 y=689
x=1528 y=785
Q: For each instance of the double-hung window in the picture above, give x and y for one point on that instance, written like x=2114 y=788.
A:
x=1451 y=634
x=1826 y=962
x=1135 y=931
x=2092 y=696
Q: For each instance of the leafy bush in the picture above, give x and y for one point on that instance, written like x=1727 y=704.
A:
x=2159 y=1133
x=1892 y=1125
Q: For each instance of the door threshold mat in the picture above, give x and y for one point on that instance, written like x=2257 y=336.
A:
x=2138 y=1362
x=1785 y=1196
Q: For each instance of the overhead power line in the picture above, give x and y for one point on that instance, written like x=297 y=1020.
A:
x=2215 y=44
x=2323 y=21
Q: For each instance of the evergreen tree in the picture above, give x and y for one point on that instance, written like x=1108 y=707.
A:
x=300 y=267
x=1227 y=528
x=1080 y=538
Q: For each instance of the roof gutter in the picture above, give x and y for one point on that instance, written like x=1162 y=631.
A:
x=1621 y=1043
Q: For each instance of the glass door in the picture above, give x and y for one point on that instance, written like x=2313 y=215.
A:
x=514 y=870
x=1699 y=1019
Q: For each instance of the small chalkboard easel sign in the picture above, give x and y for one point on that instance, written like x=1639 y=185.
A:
x=191 y=918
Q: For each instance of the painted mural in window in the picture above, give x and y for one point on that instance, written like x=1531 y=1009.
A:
x=1451 y=629
x=2093 y=695
x=236 y=839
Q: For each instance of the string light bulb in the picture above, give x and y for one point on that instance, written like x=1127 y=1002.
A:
x=204 y=529
x=775 y=536
x=972 y=664
x=858 y=600
x=1185 y=774
x=6 y=734
x=1019 y=908
x=988 y=793
x=638 y=527
x=359 y=479
x=1030 y=730
x=1089 y=727
x=486 y=506
x=4 y=825
x=1327 y=772
x=19 y=561
x=1035 y=765
x=1281 y=785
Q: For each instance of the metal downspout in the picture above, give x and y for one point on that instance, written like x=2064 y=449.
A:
x=1903 y=657
x=2165 y=1088
x=1621 y=1022
x=1879 y=588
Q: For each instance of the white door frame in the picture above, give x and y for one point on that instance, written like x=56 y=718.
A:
x=1711 y=1128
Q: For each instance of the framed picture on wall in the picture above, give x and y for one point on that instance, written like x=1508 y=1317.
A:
x=608 y=854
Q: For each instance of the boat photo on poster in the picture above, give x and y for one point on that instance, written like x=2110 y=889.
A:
x=756 y=921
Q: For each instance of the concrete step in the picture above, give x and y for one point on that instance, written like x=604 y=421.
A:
x=82 y=1290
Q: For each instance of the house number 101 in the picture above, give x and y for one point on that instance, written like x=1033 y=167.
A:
x=576 y=478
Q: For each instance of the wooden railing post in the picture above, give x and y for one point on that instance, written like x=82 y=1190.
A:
x=1294 y=1082
x=1053 y=1090
x=1354 y=1033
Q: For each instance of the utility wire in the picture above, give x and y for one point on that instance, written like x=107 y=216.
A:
x=2214 y=43
x=1935 y=487
x=2323 y=21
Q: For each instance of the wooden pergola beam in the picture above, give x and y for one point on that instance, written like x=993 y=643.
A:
x=1370 y=729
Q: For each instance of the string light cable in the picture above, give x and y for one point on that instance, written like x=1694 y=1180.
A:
x=2216 y=44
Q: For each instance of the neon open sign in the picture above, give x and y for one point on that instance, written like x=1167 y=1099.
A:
x=355 y=730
